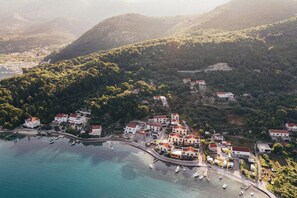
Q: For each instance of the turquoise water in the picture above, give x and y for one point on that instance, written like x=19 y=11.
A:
x=32 y=168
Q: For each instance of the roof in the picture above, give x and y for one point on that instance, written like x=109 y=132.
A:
x=132 y=125
x=278 y=131
x=200 y=81
x=174 y=114
x=187 y=149
x=192 y=137
x=175 y=135
x=154 y=124
x=73 y=115
x=179 y=127
x=263 y=146
x=241 y=149
x=32 y=119
x=60 y=115
x=291 y=125
x=167 y=145
x=160 y=116
x=96 y=127
x=212 y=145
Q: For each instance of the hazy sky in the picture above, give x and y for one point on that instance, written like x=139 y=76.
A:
x=93 y=11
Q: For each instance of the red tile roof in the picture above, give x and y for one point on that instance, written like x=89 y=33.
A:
x=192 y=137
x=60 y=115
x=154 y=124
x=200 y=81
x=167 y=145
x=73 y=115
x=161 y=116
x=291 y=125
x=240 y=149
x=187 y=149
x=212 y=145
x=175 y=135
x=96 y=127
x=32 y=119
x=278 y=131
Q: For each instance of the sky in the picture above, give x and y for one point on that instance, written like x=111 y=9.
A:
x=93 y=11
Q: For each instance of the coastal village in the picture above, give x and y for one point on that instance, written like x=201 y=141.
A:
x=169 y=138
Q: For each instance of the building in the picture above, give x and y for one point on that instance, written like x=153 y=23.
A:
x=32 y=122
x=201 y=84
x=176 y=153
x=241 y=151
x=77 y=119
x=59 y=118
x=217 y=137
x=190 y=152
x=165 y=147
x=213 y=147
x=96 y=130
x=187 y=80
x=174 y=116
x=227 y=144
x=154 y=127
x=180 y=129
x=175 y=138
x=192 y=140
x=225 y=96
x=291 y=127
x=132 y=127
x=275 y=134
x=162 y=119
x=263 y=148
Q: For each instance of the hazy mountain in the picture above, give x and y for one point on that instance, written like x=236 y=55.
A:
x=118 y=31
x=240 y=14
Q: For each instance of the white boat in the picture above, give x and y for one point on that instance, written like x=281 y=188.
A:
x=196 y=175
x=72 y=143
x=224 y=186
x=201 y=177
x=61 y=136
x=241 y=193
x=220 y=177
x=151 y=166
x=56 y=138
x=252 y=194
x=52 y=141
x=184 y=170
x=177 y=169
x=77 y=141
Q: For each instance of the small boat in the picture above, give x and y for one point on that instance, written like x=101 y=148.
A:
x=77 y=141
x=184 y=170
x=72 y=143
x=201 y=177
x=224 y=186
x=61 y=136
x=252 y=194
x=196 y=175
x=151 y=166
x=177 y=169
x=220 y=177
x=52 y=141
x=240 y=193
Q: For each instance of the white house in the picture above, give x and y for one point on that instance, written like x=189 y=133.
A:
x=32 y=122
x=77 y=119
x=213 y=147
x=59 y=118
x=241 y=151
x=162 y=119
x=201 y=84
x=132 y=127
x=263 y=148
x=175 y=138
x=225 y=96
x=96 y=130
x=187 y=80
x=175 y=116
x=180 y=129
x=164 y=146
x=277 y=133
x=191 y=140
x=291 y=127
x=155 y=127
x=190 y=152
x=217 y=137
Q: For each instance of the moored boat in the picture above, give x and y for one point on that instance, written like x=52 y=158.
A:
x=52 y=141
x=72 y=143
x=201 y=177
x=177 y=169
x=196 y=175
x=240 y=193
x=224 y=186
x=220 y=177
x=151 y=166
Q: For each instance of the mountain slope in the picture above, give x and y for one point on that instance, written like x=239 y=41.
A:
x=118 y=31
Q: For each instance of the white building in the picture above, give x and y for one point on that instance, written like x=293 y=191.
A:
x=96 y=130
x=191 y=140
x=77 y=119
x=263 y=148
x=180 y=129
x=217 y=137
x=59 y=118
x=175 y=138
x=187 y=80
x=162 y=119
x=201 y=84
x=165 y=147
x=241 y=151
x=291 y=127
x=32 y=122
x=190 y=152
x=225 y=96
x=132 y=127
x=155 y=127
x=213 y=147
x=277 y=133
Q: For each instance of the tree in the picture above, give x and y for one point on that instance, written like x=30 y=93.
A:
x=277 y=148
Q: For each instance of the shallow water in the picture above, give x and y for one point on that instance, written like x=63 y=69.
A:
x=31 y=167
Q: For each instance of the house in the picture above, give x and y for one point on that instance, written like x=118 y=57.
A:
x=263 y=148
x=225 y=96
x=217 y=137
x=132 y=127
x=175 y=138
x=96 y=130
x=190 y=152
x=180 y=129
x=201 y=84
x=187 y=80
x=277 y=133
x=176 y=153
x=192 y=140
x=32 y=122
x=241 y=151
x=59 y=118
x=162 y=119
x=291 y=127
x=77 y=119
x=164 y=146
x=227 y=144
x=154 y=127
x=174 y=117
x=213 y=147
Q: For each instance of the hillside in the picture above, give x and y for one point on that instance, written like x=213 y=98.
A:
x=118 y=31
x=241 y=14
